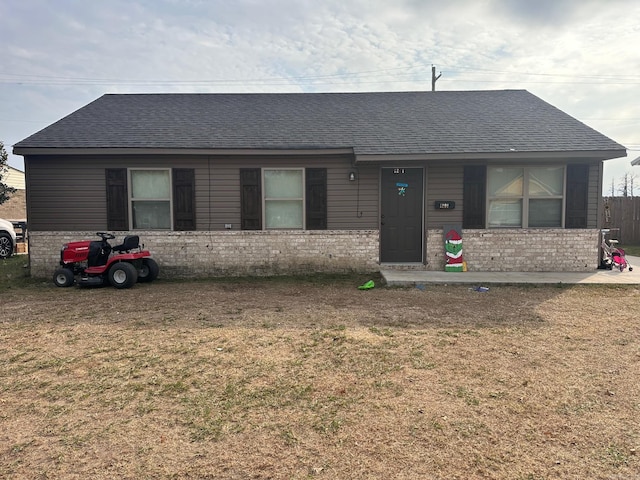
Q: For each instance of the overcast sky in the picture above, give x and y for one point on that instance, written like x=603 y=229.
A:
x=580 y=55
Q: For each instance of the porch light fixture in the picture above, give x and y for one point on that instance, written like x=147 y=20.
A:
x=352 y=176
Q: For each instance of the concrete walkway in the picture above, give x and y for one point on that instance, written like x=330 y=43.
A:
x=396 y=278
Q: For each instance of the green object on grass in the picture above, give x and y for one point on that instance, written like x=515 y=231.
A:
x=367 y=286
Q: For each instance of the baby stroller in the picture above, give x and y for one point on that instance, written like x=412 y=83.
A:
x=612 y=256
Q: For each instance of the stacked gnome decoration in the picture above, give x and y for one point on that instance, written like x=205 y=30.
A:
x=453 y=251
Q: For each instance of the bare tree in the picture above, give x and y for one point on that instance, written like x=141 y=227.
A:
x=623 y=188
x=626 y=185
x=5 y=190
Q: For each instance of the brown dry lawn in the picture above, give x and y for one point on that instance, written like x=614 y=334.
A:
x=314 y=379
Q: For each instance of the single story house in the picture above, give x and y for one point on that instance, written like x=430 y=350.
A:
x=236 y=184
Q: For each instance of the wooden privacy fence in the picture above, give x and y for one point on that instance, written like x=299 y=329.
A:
x=623 y=213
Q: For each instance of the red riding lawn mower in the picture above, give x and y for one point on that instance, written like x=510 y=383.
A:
x=94 y=264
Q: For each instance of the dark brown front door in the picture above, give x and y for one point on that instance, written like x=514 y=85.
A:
x=401 y=219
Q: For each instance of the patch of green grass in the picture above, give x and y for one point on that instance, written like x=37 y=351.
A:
x=468 y=396
x=14 y=273
x=632 y=250
x=313 y=279
x=19 y=447
x=616 y=456
x=289 y=437
x=466 y=428
x=328 y=424
x=213 y=413
x=174 y=388
x=385 y=332
x=419 y=362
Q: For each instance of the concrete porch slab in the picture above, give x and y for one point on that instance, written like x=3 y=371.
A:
x=398 y=278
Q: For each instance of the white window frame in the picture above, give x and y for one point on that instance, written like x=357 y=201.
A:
x=526 y=197
x=302 y=199
x=131 y=199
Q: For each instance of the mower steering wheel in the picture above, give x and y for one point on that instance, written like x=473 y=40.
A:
x=105 y=235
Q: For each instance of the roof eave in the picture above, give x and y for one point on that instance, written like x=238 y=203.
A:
x=511 y=155
x=24 y=151
x=359 y=158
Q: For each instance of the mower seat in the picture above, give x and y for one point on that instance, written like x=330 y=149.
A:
x=98 y=254
x=130 y=242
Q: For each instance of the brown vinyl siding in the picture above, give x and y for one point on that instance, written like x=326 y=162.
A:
x=594 y=196
x=65 y=194
x=353 y=205
x=221 y=203
x=342 y=195
x=444 y=183
x=69 y=193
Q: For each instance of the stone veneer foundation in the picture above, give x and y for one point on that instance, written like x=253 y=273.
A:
x=237 y=253
x=521 y=250
x=231 y=253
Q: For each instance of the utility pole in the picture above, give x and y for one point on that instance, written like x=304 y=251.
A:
x=434 y=78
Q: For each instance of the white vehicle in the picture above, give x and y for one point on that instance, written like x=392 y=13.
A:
x=7 y=239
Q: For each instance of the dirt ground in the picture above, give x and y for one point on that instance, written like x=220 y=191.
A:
x=304 y=378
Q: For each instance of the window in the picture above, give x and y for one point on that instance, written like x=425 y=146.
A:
x=283 y=198
x=525 y=196
x=546 y=188
x=506 y=190
x=150 y=199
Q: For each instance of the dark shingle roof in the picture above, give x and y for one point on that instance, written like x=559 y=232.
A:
x=401 y=123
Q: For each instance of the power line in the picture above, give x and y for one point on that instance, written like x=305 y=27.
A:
x=487 y=71
x=369 y=76
x=57 y=80
x=212 y=80
x=283 y=81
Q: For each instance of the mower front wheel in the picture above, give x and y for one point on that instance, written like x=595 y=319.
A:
x=149 y=270
x=123 y=275
x=63 y=277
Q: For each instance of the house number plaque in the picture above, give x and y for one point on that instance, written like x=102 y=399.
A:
x=445 y=205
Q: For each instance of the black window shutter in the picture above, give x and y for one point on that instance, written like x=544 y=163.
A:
x=250 y=199
x=316 y=198
x=577 y=196
x=474 y=196
x=117 y=199
x=184 y=199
